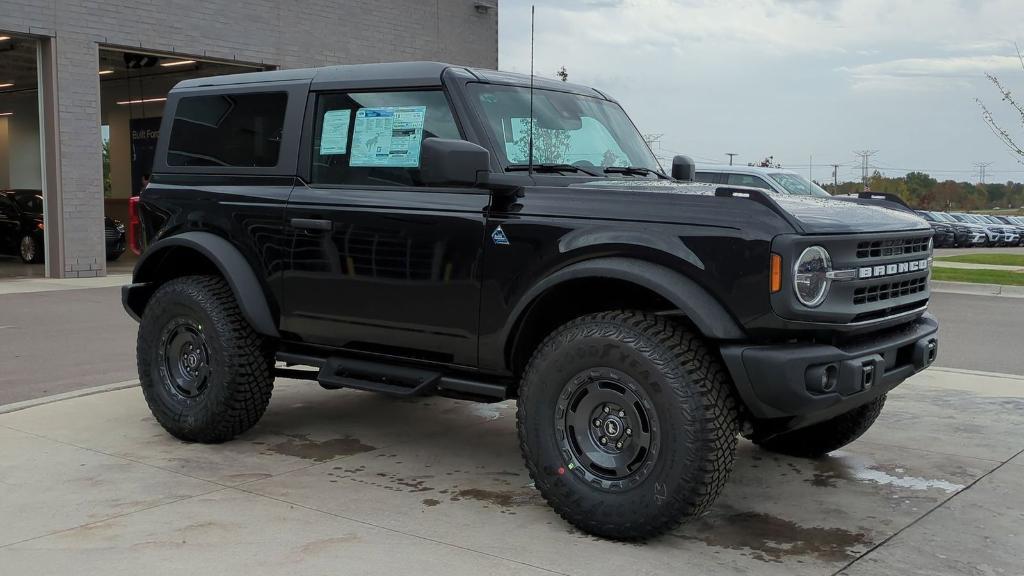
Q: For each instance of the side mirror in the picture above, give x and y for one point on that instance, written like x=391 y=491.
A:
x=445 y=162
x=683 y=168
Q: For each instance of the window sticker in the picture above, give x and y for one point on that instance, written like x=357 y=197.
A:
x=388 y=136
x=334 y=135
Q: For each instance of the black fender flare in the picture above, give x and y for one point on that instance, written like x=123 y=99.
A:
x=690 y=298
x=246 y=286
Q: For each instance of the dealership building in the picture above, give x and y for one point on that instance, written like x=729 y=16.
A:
x=82 y=85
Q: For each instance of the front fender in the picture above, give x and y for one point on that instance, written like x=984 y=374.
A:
x=233 y=266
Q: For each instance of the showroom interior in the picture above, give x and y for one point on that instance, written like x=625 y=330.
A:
x=133 y=86
x=82 y=86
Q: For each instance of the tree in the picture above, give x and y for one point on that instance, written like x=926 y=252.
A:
x=107 y=191
x=562 y=74
x=1004 y=135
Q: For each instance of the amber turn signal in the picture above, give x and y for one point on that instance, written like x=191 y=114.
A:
x=776 y=276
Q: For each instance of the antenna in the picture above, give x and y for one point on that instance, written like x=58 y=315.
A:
x=533 y=9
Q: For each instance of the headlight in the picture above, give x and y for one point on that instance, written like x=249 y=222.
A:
x=810 y=276
x=119 y=227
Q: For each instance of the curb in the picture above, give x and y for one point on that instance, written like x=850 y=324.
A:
x=16 y=406
x=977 y=289
x=977 y=373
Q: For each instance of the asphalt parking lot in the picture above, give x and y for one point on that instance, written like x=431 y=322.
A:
x=339 y=481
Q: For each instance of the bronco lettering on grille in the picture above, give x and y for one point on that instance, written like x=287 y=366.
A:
x=892 y=269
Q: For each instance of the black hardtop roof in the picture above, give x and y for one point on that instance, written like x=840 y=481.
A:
x=386 y=74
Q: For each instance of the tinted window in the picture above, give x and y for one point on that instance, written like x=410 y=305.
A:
x=29 y=203
x=926 y=216
x=7 y=209
x=227 y=130
x=373 y=138
x=748 y=180
x=710 y=177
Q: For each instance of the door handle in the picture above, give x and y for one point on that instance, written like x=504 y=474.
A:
x=312 y=224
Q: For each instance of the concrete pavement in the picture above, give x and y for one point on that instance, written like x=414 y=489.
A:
x=354 y=483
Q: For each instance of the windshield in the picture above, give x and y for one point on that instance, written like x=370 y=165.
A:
x=797 y=184
x=589 y=133
x=29 y=203
x=927 y=216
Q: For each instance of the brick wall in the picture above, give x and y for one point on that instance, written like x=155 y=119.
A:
x=283 y=33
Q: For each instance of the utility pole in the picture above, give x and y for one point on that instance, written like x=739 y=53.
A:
x=652 y=139
x=981 y=166
x=730 y=155
x=865 y=155
x=835 y=175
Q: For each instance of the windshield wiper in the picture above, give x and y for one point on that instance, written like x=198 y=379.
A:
x=550 y=167
x=632 y=171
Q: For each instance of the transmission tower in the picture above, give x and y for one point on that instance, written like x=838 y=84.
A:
x=865 y=155
x=981 y=166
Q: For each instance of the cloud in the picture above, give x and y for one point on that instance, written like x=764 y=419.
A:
x=927 y=73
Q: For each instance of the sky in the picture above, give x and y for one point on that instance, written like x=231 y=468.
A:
x=794 y=79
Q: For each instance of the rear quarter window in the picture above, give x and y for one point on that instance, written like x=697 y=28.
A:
x=236 y=130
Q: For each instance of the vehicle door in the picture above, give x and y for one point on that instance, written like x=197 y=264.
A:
x=380 y=263
x=10 y=225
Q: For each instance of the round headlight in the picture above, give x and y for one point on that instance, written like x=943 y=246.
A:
x=810 y=276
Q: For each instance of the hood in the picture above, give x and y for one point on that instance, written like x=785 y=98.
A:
x=809 y=214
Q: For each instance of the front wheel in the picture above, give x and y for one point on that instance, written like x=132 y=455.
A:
x=29 y=250
x=627 y=424
x=206 y=374
x=819 y=439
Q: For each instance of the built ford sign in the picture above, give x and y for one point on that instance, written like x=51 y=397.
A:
x=893 y=269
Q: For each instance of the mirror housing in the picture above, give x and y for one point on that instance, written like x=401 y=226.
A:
x=683 y=168
x=446 y=162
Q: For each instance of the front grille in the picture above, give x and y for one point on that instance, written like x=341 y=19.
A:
x=111 y=233
x=892 y=247
x=888 y=290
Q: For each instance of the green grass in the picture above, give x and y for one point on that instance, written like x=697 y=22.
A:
x=1000 y=259
x=978 y=276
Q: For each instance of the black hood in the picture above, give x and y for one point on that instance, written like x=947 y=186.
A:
x=808 y=214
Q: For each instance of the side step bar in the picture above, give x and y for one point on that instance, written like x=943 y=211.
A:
x=376 y=377
x=341 y=372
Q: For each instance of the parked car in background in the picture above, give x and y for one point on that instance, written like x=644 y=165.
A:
x=967 y=234
x=1011 y=236
x=945 y=233
x=27 y=240
x=993 y=233
x=770 y=179
x=1017 y=223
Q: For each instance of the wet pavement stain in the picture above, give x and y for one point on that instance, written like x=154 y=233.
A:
x=301 y=446
x=772 y=539
x=430 y=502
x=841 y=466
x=500 y=498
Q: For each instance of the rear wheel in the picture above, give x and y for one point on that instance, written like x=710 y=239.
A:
x=627 y=424
x=205 y=373
x=820 y=439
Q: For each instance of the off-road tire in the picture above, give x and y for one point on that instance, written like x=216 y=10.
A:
x=240 y=362
x=692 y=402
x=819 y=439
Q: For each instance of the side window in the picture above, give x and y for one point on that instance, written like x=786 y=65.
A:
x=709 y=177
x=240 y=130
x=7 y=209
x=748 y=180
x=373 y=138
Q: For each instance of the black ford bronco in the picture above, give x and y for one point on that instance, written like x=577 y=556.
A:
x=422 y=228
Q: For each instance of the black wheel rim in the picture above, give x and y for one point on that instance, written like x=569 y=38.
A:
x=185 y=358
x=607 y=429
x=28 y=249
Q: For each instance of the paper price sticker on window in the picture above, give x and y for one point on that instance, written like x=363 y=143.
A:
x=334 y=134
x=388 y=136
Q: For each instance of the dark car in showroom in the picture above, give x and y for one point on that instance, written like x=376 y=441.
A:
x=945 y=233
x=21 y=220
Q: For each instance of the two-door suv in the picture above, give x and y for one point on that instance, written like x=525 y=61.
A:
x=422 y=228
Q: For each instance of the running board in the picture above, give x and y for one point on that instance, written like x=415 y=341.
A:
x=377 y=377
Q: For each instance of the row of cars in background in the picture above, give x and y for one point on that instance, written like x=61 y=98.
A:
x=21 y=227
x=957 y=229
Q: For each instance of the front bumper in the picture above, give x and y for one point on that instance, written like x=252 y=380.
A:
x=801 y=384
